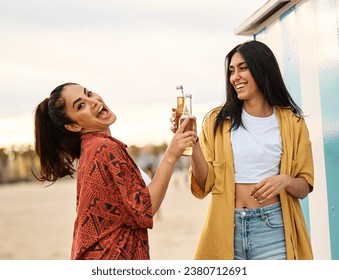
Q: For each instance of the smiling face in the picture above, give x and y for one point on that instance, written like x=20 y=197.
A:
x=87 y=110
x=242 y=79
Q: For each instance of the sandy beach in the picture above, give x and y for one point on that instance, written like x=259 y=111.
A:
x=36 y=223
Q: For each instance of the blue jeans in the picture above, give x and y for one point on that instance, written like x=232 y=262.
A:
x=259 y=233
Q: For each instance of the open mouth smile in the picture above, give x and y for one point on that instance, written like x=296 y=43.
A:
x=103 y=112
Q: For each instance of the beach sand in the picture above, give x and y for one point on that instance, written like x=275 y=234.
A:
x=36 y=223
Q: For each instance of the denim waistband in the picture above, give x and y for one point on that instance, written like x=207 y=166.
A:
x=257 y=212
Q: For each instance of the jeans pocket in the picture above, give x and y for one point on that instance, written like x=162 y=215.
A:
x=274 y=220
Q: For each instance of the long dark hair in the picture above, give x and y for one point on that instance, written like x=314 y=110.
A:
x=56 y=147
x=265 y=70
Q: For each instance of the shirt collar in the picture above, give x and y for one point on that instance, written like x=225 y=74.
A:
x=92 y=135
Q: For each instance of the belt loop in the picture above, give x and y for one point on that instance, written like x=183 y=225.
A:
x=262 y=214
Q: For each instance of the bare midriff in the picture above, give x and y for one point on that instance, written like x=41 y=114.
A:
x=243 y=198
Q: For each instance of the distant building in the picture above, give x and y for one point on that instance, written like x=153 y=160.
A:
x=304 y=36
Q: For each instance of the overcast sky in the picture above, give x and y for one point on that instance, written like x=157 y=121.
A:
x=133 y=53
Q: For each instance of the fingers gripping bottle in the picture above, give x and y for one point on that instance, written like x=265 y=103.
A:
x=187 y=113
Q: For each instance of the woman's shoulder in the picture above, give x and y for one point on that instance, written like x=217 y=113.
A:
x=212 y=114
x=215 y=111
x=286 y=115
x=99 y=142
x=287 y=112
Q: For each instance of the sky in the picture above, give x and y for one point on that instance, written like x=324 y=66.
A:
x=132 y=53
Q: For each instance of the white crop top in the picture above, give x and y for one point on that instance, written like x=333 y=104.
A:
x=257 y=149
x=145 y=177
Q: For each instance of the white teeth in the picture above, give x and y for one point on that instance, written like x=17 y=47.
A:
x=102 y=107
x=240 y=86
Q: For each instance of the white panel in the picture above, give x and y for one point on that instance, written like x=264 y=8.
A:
x=311 y=105
x=272 y=37
x=273 y=40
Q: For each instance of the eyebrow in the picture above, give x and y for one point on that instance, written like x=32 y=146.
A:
x=239 y=64
x=79 y=99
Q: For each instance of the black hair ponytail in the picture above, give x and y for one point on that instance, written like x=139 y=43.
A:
x=56 y=147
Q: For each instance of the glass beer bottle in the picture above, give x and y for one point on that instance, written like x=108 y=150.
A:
x=187 y=113
x=180 y=104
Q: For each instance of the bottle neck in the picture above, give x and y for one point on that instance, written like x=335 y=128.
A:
x=187 y=105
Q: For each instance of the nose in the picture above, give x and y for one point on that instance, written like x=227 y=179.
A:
x=93 y=102
x=235 y=76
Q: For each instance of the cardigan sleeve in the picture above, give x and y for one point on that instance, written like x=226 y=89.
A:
x=206 y=142
x=303 y=158
x=296 y=161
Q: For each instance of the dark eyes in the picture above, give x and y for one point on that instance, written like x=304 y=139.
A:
x=82 y=104
x=241 y=69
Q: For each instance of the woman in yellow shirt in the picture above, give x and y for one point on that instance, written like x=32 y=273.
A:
x=254 y=156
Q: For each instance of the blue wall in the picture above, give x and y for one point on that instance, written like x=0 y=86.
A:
x=329 y=88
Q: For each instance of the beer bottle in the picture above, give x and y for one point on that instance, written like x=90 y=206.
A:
x=180 y=104
x=187 y=113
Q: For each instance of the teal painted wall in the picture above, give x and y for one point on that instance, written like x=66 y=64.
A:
x=329 y=87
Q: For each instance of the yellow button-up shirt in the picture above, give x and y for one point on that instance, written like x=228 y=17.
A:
x=217 y=237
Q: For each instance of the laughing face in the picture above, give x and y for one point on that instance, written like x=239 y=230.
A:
x=87 y=110
x=242 y=79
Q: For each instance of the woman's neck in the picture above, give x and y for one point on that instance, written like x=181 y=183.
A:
x=258 y=109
